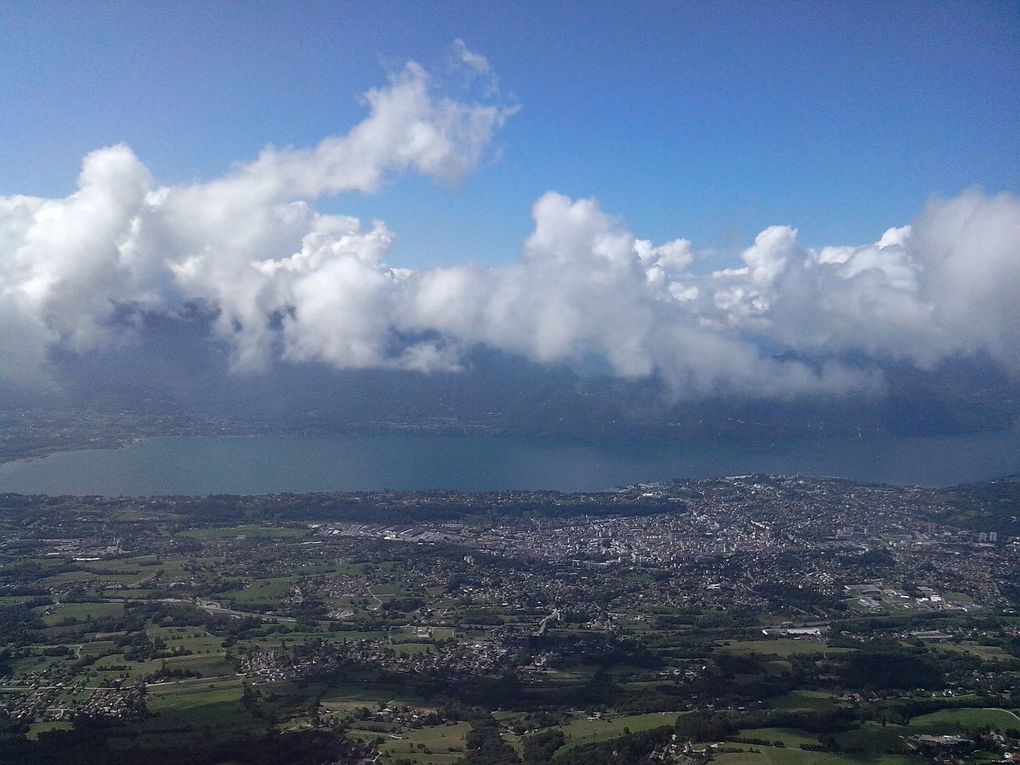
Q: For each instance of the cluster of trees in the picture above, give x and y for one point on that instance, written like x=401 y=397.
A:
x=984 y=506
x=889 y=666
x=782 y=597
x=539 y=748
x=18 y=624
x=486 y=746
x=165 y=673
x=113 y=743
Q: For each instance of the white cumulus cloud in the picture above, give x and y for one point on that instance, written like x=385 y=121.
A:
x=288 y=284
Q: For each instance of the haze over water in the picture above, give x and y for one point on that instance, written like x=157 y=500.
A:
x=276 y=464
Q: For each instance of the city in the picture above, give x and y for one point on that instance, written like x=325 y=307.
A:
x=755 y=603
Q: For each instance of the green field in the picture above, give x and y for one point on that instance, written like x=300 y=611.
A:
x=434 y=744
x=205 y=665
x=804 y=700
x=44 y=727
x=190 y=694
x=949 y=720
x=877 y=738
x=581 y=730
x=194 y=639
x=197 y=705
x=347 y=698
x=789 y=736
x=98 y=648
x=780 y=647
x=984 y=652
x=265 y=591
x=81 y=612
x=249 y=532
x=770 y=755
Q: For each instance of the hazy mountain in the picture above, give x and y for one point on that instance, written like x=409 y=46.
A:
x=174 y=371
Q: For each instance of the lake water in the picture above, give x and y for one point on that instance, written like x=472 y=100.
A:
x=273 y=464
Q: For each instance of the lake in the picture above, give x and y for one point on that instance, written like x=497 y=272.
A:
x=274 y=464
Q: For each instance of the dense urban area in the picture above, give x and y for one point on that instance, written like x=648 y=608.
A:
x=750 y=620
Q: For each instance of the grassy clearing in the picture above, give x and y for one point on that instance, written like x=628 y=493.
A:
x=249 y=532
x=82 y=612
x=780 y=647
x=804 y=700
x=193 y=694
x=789 y=736
x=984 y=652
x=958 y=597
x=581 y=730
x=434 y=745
x=117 y=566
x=45 y=727
x=188 y=707
x=270 y=591
x=194 y=639
x=422 y=758
x=356 y=635
x=68 y=577
x=115 y=665
x=42 y=564
x=15 y=600
x=32 y=663
x=344 y=707
x=98 y=648
x=438 y=743
x=874 y=737
x=187 y=695
x=949 y=720
x=778 y=666
x=770 y=755
x=206 y=666
x=349 y=697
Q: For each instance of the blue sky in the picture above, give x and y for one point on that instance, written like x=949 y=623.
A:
x=708 y=121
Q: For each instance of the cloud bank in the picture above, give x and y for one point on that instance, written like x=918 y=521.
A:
x=288 y=284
